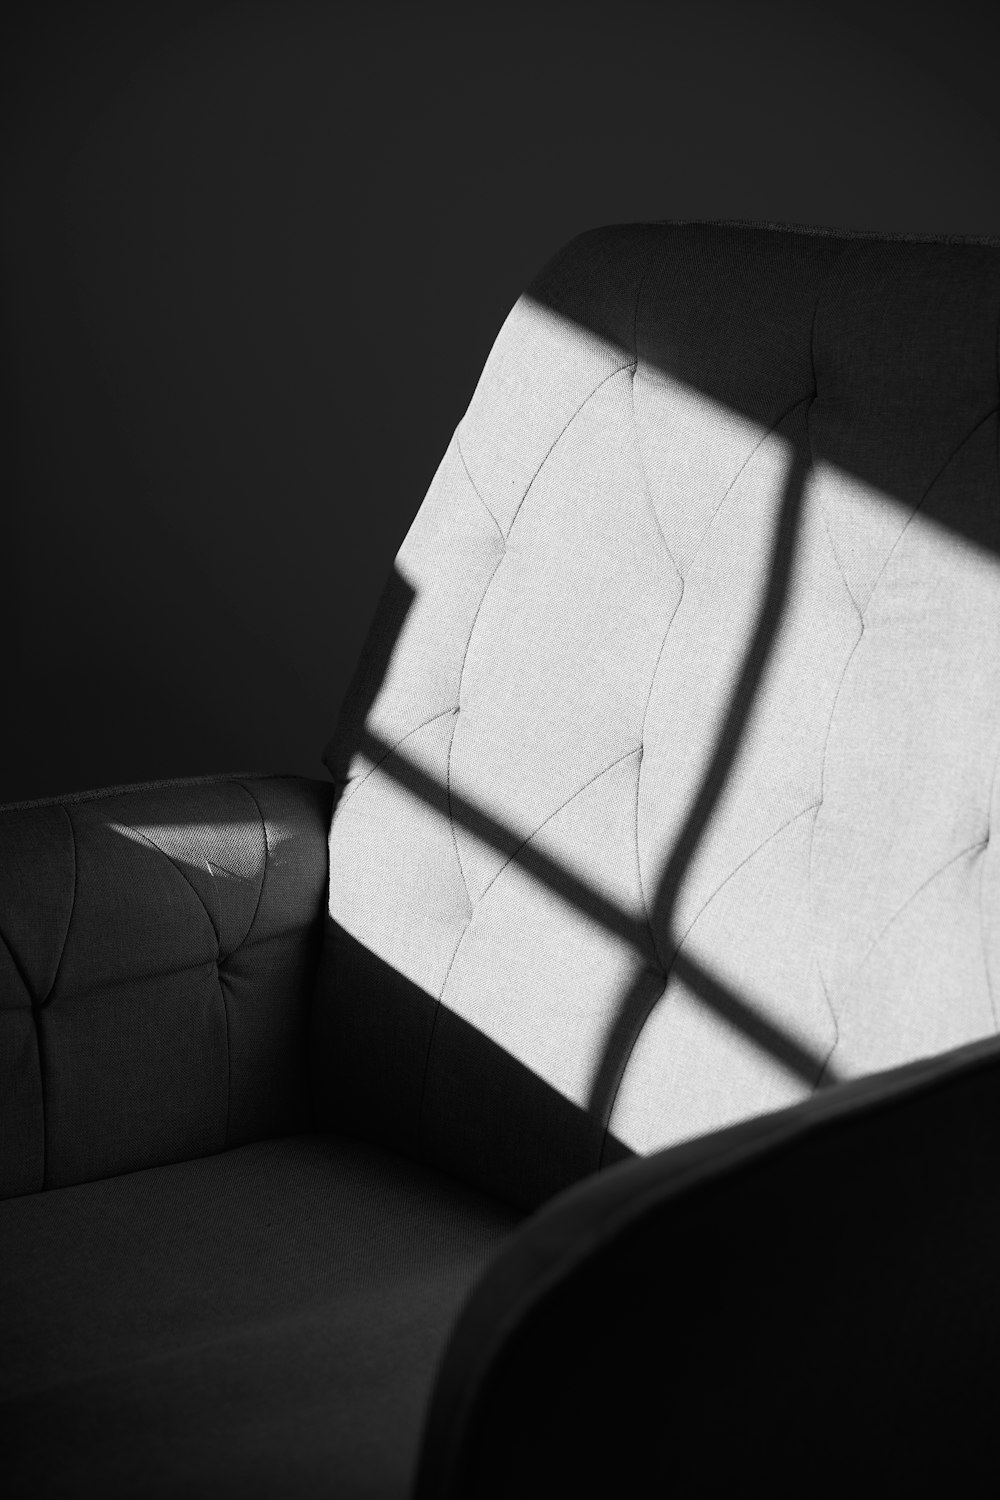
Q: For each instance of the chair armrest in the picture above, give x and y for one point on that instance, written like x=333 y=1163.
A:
x=806 y=1303
x=157 y=952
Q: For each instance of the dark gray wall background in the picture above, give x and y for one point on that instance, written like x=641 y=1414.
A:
x=256 y=254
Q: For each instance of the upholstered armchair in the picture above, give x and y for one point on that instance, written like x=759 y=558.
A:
x=592 y=1089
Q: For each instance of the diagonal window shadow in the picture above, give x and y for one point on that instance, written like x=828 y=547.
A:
x=635 y=1007
x=735 y=1010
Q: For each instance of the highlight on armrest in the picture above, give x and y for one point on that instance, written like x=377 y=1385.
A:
x=157 y=950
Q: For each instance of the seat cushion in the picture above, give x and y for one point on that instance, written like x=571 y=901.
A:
x=262 y=1322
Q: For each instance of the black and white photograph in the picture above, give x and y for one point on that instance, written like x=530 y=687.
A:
x=500 y=777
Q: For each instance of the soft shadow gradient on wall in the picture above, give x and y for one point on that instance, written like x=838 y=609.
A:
x=255 y=257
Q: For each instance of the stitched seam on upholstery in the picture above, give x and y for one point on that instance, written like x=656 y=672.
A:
x=781 y=419
x=643 y=470
x=454 y=838
x=812 y=839
x=626 y=365
x=457 y=706
x=465 y=930
x=809 y=439
x=807 y=401
x=828 y=1059
x=645 y=480
x=475 y=487
x=802 y=400
x=649 y=926
x=962 y=442
x=775 y=832
x=42 y=1049
x=646 y=913
x=652 y=681
x=847 y=665
x=457 y=710
x=434 y=1023
x=545 y=457
x=138 y=834
x=940 y=870
x=359 y=783
x=121 y=981
x=505 y=538
x=556 y=811
x=812 y=465
x=229 y=1060
x=19 y=971
x=98 y=794
x=250 y=927
x=836 y=556
x=51 y=990
x=772 y=431
x=429 y=1050
x=812 y=907
x=451 y=814
x=822 y=767
x=510 y=860
x=267 y=860
x=72 y=909
x=33 y=1008
x=827 y=278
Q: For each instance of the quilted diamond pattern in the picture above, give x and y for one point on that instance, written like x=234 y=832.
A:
x=673 y=782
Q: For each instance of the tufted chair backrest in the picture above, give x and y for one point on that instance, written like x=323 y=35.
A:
x=668 y=776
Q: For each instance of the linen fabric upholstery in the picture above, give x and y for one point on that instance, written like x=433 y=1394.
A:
x=158 y=955
x=666 y=784
x=258 y=1323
